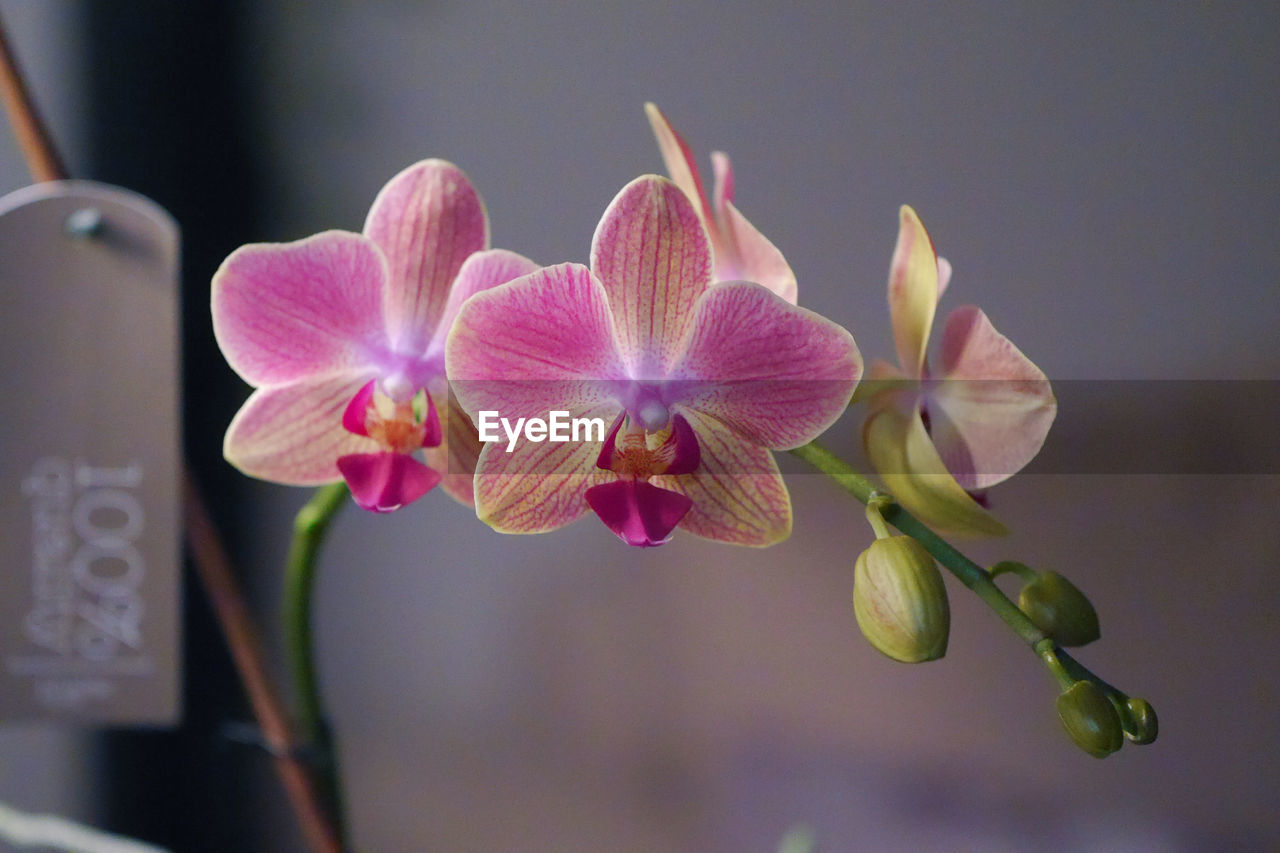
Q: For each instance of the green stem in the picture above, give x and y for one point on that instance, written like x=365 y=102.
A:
x=967 y=571
x=309 y=528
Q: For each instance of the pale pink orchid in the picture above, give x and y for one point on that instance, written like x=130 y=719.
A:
x=741 y=253
x=937 y=439
x=343 y=336
x=695 y=381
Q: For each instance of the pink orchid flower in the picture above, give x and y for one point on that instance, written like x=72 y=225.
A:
x=343 y=335
x=937 y=439
x=741 y=252
x=695 y=381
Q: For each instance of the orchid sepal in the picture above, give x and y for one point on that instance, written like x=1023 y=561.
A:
x=741 y=252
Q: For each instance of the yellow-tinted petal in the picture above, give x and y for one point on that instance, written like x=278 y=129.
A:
x=913 y=291
x=900 y=449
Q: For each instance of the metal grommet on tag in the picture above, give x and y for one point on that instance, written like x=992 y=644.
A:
x=89 y=474
x=84 y=223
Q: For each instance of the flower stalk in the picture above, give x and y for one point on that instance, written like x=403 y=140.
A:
x=309 y=528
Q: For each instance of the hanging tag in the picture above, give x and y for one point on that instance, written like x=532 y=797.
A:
x=89 y=457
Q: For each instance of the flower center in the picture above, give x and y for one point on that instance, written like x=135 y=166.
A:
x=634 y=451
x=399 y=426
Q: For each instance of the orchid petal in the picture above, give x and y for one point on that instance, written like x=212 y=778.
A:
x=355 y=415
x=944 y=276
x=545 y=341
x=722 y=166
x=913 y=291
x=742 y=253
x=737 y=492
x=681 y=451
x=899 y=448
x=480 y=272
x=777 y=374
x=384 y=482
x=289 y=311
x=677 y=156
x=609 y=449
x=990 y=415
x=538 y=486
x=293 y=434
x=427 y=220
x=651 y=253
x=456 y=457
x=639 y=513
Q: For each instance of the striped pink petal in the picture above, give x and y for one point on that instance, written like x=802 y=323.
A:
x=427 y=220
x=738 y=494
x=652 y=255
x=456 y=457
x=293 y=434
x=778 y=375
x=545 y=341
x=482 y=271
x=990 y=414
x=678 y=157
x=742 y=252
x=538 y=486
x=913 y=291
x=289 y=311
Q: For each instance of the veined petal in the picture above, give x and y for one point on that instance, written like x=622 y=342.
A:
x=900 y=449
x=538 y=486
x=913 y=291
x=737 y=492
x=542 y=342
x=480 y=272
x=742 y=253
x=427 y=220
x=777 y=374
x=293 y=434
x=679 y=160
x=990 y=414
x=638 y=513
x=289 y=311
x=456 y=458
x=651 y=253
x=384 y=482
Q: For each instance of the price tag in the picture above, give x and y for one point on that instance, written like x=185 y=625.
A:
x=89 y=457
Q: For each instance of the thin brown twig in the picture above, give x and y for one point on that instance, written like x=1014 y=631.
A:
x=207 y=551
x=219 y=584
x=42 y=158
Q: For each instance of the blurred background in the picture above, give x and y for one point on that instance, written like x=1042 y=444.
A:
x=1105 y=179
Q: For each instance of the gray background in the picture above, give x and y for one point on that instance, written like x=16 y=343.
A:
x=1104 y=179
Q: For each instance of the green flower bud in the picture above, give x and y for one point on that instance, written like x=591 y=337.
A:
x=900 y=601
x=1141 y=725
x=1090 y=718
x=1059 y=609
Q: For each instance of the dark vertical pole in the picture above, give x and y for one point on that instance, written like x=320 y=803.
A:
x=168 y=107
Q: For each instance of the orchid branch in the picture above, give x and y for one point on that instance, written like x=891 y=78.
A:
x=309 y=528
x=1135 y=715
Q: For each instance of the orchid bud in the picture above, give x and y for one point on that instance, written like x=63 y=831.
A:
x=1140 y=725
x=1059 y=609
x=1090 y=718
x=900 y=601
